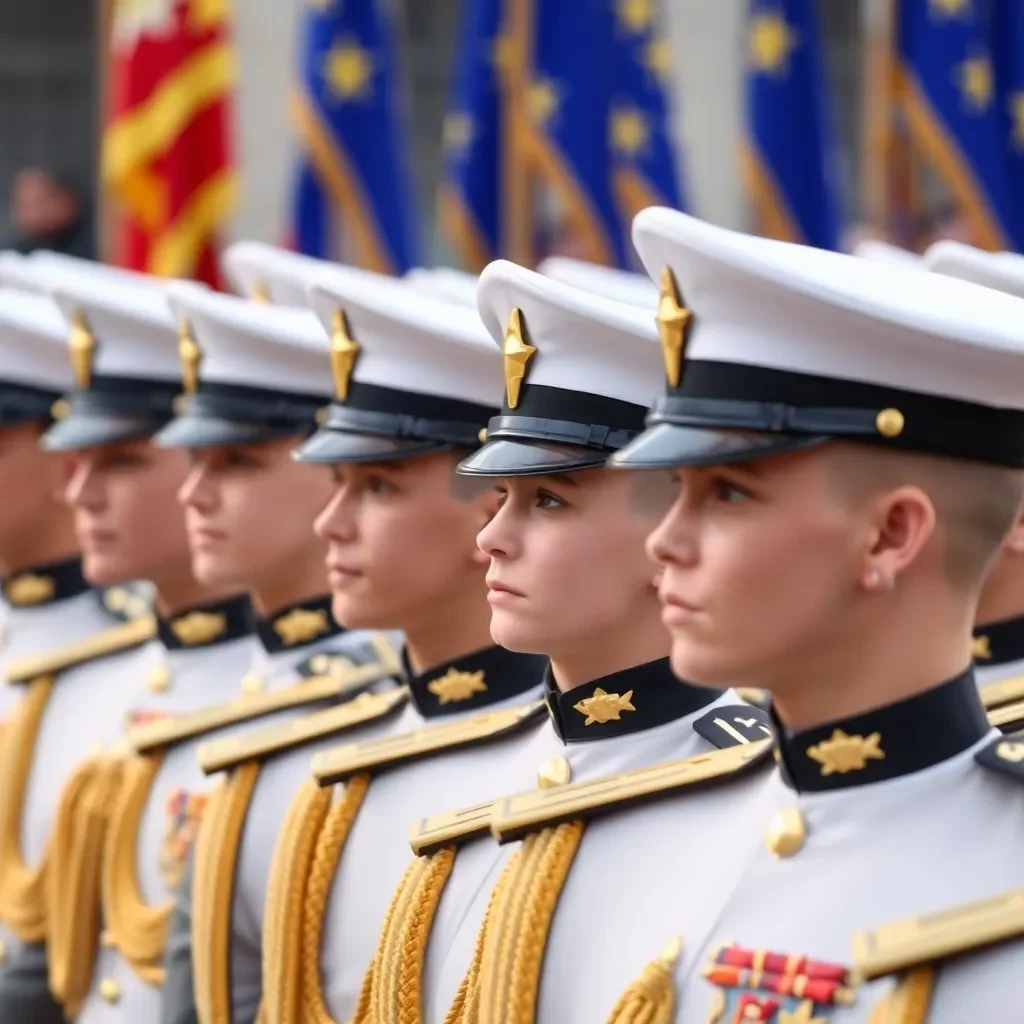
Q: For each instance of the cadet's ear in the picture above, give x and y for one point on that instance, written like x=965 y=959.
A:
x=903 y=523
x=1014 y=543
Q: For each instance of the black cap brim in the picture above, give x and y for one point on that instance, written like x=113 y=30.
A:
x=669 y=445
x=336 y=446
x=503 y=457
x=193 y=432
x=80 y=431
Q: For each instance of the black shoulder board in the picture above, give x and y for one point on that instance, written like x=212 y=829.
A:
x=733 y=724
x=1005 y=754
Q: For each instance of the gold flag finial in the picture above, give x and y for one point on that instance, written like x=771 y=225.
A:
x=673 y=322
x=82 y=346
x=344 y=350
x=518 y=353
x=190 y=355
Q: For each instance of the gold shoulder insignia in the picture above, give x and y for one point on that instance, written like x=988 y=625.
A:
x=994 y=695
x=919 y=940
x=147 y=737
x=260 y=744
x=110 y=641
x=450 y=829
x=515 y=816
x=341 y=763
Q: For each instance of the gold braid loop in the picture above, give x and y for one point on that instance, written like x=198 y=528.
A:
x=73 y=879
x=282 y=919
x=328 y=850
x=216 y=852
x=466 y=1005
x=909 y=1001
x=384 y=1005
x=651 y=998
x=22 y=889
x=138 y=930
x=510 y=981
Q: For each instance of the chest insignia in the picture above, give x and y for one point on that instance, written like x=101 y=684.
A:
x=184 y=812
x=455 y=686
x=842 y=753
x=605 y=707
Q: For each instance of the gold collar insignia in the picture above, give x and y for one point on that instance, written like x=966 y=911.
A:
x=301 y=625
x=842 y=753
x=455 y=686
x=30 y=588
x=197 y=627
x=604 y=707
x=981 y=648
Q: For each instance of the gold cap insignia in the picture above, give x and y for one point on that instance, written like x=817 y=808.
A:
x=673 y=322
x=184 y=813
x=30 y=588
x=604 y=707
x=301 y=625
x=518 y=353
x=343 y=354
x=199 y=627
x=82 y=346
x=261 y=293
x=981 y=648
x=455 y=686
x=842 y=753
x=190 y=356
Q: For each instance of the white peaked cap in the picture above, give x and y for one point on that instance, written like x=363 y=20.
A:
x=33 y=353
x=412 y=374
x=621 y=285
x=800 y=345
x=1002 y=271
x=445 y=283
x=42 y=271
x=580 y=370
x=886 y=252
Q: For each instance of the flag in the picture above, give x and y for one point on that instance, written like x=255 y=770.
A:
x=1008 y=32
x=644 y=170
x=353 y=197
x=947 y=91
x=788 y=158
x=167 y=156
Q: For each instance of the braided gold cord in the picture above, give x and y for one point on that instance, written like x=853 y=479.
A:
x=385 y=991
x=282 y=920
x=216 y=853
x=909 y=1001
x=328 y=850
x=22 y=889
x=651 y=998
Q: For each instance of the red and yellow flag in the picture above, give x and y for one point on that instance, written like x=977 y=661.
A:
x=167 y=152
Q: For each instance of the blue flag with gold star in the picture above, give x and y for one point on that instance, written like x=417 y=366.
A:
x=644 y=167
x=353 y=198
x=1008 y=33
x=788 y=159
x=948 y=95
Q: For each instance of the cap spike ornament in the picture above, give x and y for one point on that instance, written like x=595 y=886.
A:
x=673 y=322
x=517 y=354
x=343 y=354
x=190 y=355
x=82 y=346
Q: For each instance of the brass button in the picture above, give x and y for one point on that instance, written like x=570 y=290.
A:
x=556 y=771
x=482 y=435
x=110 y=990
x=890 y=422
x=158 y=680
x=786 y=833
x=3 y=952
x=253 y=682
x=60 y=409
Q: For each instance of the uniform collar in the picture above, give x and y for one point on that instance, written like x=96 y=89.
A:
x=298 y=625
x=999 y=642
x=887 y=742
x=629 y=701
x=40 y=585
x=207 y=625
x=473 y=681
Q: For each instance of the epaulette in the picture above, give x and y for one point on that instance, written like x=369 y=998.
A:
x=327 y=663
x=994 y=695
x=337 y=765
x=258 y=745
x=1005 y=754
x=516 y=816
x=923 y=940
x=159 y=733
x=1007 y=716
x=452 y=828
x=109 y=641
x=732 y=724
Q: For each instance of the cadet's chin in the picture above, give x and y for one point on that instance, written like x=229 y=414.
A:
x=509 y=631
x=213 y=572
x=104 y=571
x=703 y=668
x=353 y=614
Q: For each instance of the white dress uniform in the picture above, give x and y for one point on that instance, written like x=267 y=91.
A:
x=880 y=859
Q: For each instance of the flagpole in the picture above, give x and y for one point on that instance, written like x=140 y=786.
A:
x=105 y=218
x=516 y=165
x=878 y=105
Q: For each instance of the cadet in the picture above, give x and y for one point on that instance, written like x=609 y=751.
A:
x=854 y=430
x=55 y=795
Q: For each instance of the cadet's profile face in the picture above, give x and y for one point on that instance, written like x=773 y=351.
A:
x=567 y=561
x=249 y=510
x=401 y=541
x=759 y=563
x=127 y=521
x=30 y=480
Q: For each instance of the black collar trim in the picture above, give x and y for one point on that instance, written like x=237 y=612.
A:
x=41 y=585
x=886 y=743
x=207 y=625
x=474 y=681
x=298 y=625
x=999 y=643
x=635 y=699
